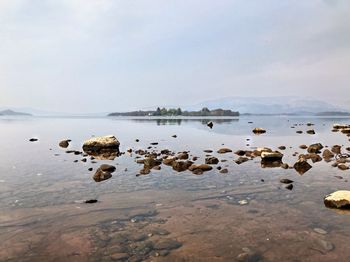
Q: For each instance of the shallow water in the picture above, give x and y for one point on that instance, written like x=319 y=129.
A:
x=166 y=215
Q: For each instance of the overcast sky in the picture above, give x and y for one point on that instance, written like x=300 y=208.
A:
x=110 y=55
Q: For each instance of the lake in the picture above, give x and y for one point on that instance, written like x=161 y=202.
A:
x=246 y=214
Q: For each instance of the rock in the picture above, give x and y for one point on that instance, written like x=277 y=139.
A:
x=119 y=256
x=106 y=147
x=241 y=160
x=107 y=168
x=33 y=140
x=259 y=150
x=282 y=148
x=336 y=149
x=240 y=152
x=286 y=181
x=324 y=245
x=289 y=187
x=224 y=171
x=311 y=132
x=168 y=161
x=327 y=154
x=303 y=146
x=98 y=143
x=271 y=156
x=284 y=166
x=91 y=201
x=302 y=166
x=64 y=143
x=183 y=156
x=314 y=157
x=343 y=167
x=154 y=143
x=208 y=151
x=150 y=162
x=197 y=168
x=144 y=171
x=210 y=124
x=90 y=169
x=174 y=136
x=346 y=131
x=167 y=244
x=340 y=126
x=157 y=168
x=212 y=160
x=181 y=166
x=338 y=199
x=224 y=150
x=315 y=148
x=101 y=175
x=320 y=231
x=258 y=131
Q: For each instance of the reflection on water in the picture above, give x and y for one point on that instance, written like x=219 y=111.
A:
x=243 y=215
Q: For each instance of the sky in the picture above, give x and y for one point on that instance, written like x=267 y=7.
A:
x=118 y=55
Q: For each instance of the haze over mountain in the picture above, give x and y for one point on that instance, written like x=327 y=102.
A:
x=270 y=105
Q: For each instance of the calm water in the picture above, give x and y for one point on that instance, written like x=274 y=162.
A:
x=166 y=215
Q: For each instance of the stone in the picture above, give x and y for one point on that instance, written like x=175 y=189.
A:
x=336 y=149
x=315 y=148
x=101 y=175
x=202 y=167
x=286 y=181
x=338 y=199
x=167 y=244
x=150 y=162
x=240 y=152
x=343 y=167
x=33 y=140
x=289 y=187
x=282 y=148
x=91 y=201
x=103 y=142
x=271 y=156
x=224 y=151
x=168 y=161
x=107 y=168
x=144 y=171
x=259 y=130
x=311 y=132
x=183 y=156
x=327 y=154
x=346 y=130
x=302 y=166
x=64 y=143
x=320 y=231
x=224 y=171
x=241 y=160
x=299 y=132
x=181 y=166
x=210 y=124
x=212 y=160
x=303 y=146
x=284 y=166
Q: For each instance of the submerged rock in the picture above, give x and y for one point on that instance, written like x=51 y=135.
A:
x=199 y=169
x=338 y=199
x=302 y=166
x=241 y=160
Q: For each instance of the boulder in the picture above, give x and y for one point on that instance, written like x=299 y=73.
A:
x=338 y=199
x=327 y=154
x=203 y=167
x=107 y=168
x=97 y=144
x=210 y=124
x=336 y=149
x=311 y=132
x=271 y=156
x=101 y=175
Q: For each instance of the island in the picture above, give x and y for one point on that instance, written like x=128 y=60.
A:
x=13 y=113
x=174 y=112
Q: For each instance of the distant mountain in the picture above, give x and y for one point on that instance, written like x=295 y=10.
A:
x=270 y=105
x=9 y=112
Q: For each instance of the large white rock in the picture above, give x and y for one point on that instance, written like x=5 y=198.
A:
x=338 y=199
x=101 y=143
